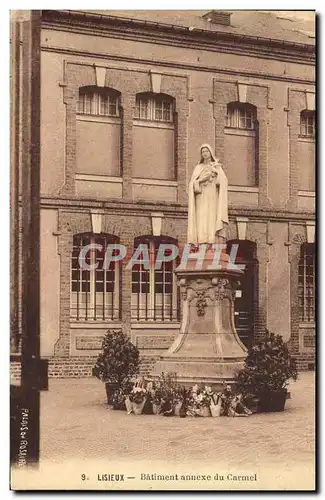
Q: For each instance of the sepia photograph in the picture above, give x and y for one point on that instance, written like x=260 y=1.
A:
x=162 y=250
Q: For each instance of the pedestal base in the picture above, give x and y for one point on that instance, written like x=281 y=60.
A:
x=207 y=350
x=204 y=371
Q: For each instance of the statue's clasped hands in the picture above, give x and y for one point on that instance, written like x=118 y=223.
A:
x=208 y=173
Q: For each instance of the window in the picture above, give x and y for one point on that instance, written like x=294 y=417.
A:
x=306 y=290
x=154 y=138
x=154 y=108
x=98 y=137
x=307 y=123
x=241 y=116
x=98 y=101
x=155 y=294
x=241 y=146
x=95 y=292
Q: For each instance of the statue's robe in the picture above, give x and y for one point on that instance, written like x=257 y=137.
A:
x=208 y=206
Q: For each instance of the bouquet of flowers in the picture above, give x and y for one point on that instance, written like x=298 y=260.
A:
x=165 y=393
x=138 y=395
x=200 y=401
x=232 y=404
x=206 y=396
x=157 y=396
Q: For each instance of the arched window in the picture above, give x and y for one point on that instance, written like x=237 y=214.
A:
x=157 y=108
x=98 y=101
x=307 y=124
x=241 y=144
x=154 y=137
x=306 y=290
x=95 y=287
x=241 y=116
x=98 y=131
x=246 y=294
x=155 y=295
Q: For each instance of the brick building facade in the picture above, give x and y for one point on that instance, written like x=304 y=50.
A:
x=127 y=100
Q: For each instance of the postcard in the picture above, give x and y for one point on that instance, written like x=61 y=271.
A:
x=162 y=258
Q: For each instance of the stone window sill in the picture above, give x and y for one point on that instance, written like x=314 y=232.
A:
x=238 y=131
x=153 y=124
x=98 y=178
x=150 y=323
x=303 y=138
x=310 y=325
x=244 y=189
x=114 y=120
x=307 y=194
x=95 y=324
x=155 y=182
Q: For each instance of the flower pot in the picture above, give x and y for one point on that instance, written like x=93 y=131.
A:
x=128 y=405
x=272 y=400
x=182 y=412
x=156 y=408
x=205 y=411
x=110 y=387
x=137 y=408
x=215 y=409
x=177 y=408
x=147 y=409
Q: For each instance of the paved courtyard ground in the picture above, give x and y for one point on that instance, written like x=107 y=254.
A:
x=76 y=425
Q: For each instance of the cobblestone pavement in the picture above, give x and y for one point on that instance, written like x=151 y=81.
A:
x=75 y=423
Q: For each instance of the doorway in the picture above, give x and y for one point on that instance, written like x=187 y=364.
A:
x=246 y=293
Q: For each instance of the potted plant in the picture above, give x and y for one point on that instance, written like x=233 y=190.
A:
x=117 y=362
x=178 y=400
x=204 y=398
x=267 y=372
x=138 y=398
x=148 y=406
x=183 y=398
x=118 y=399
x=156 y=400
x=165 y=394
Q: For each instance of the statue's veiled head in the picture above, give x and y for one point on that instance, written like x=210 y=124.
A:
x=206 y=153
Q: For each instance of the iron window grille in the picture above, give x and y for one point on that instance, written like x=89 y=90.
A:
x=306 y=283
x=155 y=295
x=95 y=292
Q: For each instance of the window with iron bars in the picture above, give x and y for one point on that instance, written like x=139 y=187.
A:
x=307 y=123
x=306 y=290
x=154 y=108
x=100 y=102
x=241 y=116
x=95 y=292
x=155 y=295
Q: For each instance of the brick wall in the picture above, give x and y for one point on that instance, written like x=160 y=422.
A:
x=74 y=367
x=306 y=362
x=81 y=367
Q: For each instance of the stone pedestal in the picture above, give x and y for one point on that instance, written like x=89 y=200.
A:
x=207 y=349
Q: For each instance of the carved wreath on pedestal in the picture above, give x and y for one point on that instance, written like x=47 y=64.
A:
x=218 y=291
x=201 y=303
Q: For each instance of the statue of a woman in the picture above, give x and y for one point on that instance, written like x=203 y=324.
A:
x=208 y=201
